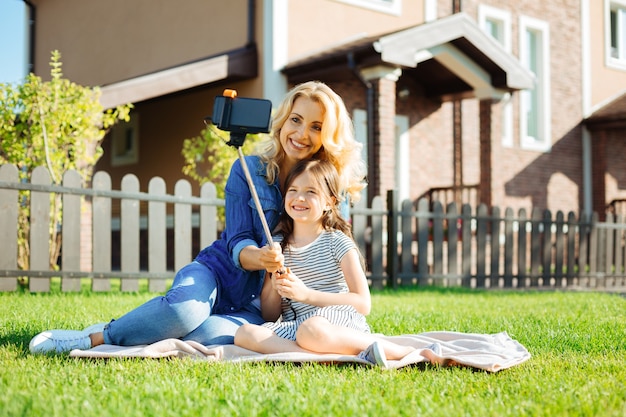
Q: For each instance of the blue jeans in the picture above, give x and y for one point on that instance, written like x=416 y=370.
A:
x=184 y=312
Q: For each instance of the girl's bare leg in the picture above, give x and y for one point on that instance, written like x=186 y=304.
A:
x=318 y=335
x=263 y=340
x=96 y=339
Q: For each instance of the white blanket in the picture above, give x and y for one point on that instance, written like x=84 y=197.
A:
x=489 y=352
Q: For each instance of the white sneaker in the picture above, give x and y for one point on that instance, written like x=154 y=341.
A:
x=59 y=341
x=435 y=348
x=374 y=354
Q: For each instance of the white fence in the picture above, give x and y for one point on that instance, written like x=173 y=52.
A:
x=128 y=235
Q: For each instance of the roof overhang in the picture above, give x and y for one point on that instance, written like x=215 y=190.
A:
x=450 y=58
x=233 y=65
x=610 y=116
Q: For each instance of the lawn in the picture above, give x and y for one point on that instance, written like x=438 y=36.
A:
x=577 y=341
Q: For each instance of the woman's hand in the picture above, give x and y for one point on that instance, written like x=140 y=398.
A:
x=268 y=258
x=271 y=258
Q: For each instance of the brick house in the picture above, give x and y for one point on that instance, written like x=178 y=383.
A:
x=511 y=103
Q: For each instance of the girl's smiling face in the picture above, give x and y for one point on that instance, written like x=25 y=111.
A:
x=301 y=134
x=305 y=200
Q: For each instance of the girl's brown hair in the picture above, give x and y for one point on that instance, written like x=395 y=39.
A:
x=327 y=181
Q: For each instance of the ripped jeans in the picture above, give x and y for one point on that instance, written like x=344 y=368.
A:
x=184 y=312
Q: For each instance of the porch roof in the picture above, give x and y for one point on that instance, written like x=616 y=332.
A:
x=610 y=116
x=450 y=58
x=234 y=65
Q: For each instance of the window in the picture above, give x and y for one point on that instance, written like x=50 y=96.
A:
x=616 y=33
x=401 y=152
x=386 y=6
x=497 y=23
x=430 y=10
x=535 y=128
x=359 y=119
x=125 y=142
x=403 y=164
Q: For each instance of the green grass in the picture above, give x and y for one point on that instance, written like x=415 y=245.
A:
x=577 y=342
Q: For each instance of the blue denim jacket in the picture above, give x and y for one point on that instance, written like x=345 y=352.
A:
x=236 y=286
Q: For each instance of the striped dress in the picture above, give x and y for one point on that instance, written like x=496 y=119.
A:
x=318 y=265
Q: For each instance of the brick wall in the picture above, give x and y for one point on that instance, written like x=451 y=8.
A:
x=615 y=176
x=520 y=178
x=526 y=178
x=385 y=127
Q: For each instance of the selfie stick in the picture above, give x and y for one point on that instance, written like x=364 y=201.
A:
x=255 y=196
x=237 y=137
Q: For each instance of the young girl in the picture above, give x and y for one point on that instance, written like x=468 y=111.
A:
x=319 y=303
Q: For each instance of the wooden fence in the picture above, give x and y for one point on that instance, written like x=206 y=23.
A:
x=423 y=244
x=98 y=235
x=129 y=235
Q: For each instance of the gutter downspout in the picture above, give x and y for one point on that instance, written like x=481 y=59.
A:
x=251 y=23
x=457 y=143
x=587 y=162
x=370 y=125
x=587 y=157
x=31 y=40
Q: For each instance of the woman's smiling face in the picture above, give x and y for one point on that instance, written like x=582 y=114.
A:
x=301 y=134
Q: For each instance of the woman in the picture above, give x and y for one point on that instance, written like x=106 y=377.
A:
x=219 y=291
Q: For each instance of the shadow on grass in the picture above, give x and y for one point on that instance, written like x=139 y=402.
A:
x=19 y=338
x=441 y=290
x=86 y=287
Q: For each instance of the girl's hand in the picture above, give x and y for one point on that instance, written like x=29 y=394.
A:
x=273 y=277
x=271 y=258
x=288 y=285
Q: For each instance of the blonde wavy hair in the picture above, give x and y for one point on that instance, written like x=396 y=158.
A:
x=338 y=143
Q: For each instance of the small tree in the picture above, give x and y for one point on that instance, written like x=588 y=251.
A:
x=58 y=124
x=209 y=158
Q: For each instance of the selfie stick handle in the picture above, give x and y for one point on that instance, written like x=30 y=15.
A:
x=255 y=197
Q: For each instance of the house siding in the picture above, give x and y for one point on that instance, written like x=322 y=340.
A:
x=606 y=82
x=316 y=25
x=113 y=41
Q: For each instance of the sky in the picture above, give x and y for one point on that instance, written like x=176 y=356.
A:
x=13 y=41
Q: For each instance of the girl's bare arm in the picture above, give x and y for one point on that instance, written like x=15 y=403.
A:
x=270 y=300
x=290 y=286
